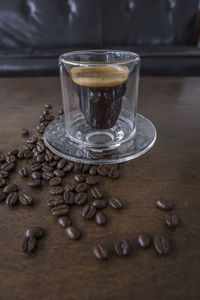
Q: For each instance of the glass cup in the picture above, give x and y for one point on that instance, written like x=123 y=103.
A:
x=100 y=92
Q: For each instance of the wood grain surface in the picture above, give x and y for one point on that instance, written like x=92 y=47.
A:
x=65 y=269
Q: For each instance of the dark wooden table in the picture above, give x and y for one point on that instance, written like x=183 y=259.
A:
x=65 y=269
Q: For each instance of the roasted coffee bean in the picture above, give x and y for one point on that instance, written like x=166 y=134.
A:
x=12 y=199
x=69 y=198
x=53 y=163
x=64 y=221
x=2 y=182
x=123 y=248
x=79 y=177
x=80 y=198
x=73 y=233
x=2 y=196
x=10 y=188
x=101 y=218
x=32 y=140
x=34 y=183
x=36 y=175
x=96 y=193
x=78 y=167
x=40 y=129
x=47 y=169
x=33 y=161
x=70 y=187
x=161 y=244
x=93 y=170
x=115 y=203
x=60 y=210
x=48 y=157
x=7 y=167
x=113 y=173
x=164 y=204
x=86 y=168
x=102 y=171
x=56 y=157
x=81 y=187
x=28 y=245
x=69 y=167
x=47 y=175
x=27 y=147
x=144 y=240
x=99 y=203
x=13 y=152
x=59 y=173
x=4 y=174
x=35 y=232
x=23 y=172
x=61 y=163
x=36 y=167
x=28 y=154
x=25 y=131
x=40 y=157
x=42 y=119
x=54 y=201
x=89 y=212
x=171 y=220
x=56 y=190
x=100 y=252
x=11 y=158
x=55 y=181
x=49 y=118
x=40 y=147
x=20 y=155
x=45 y=112
x=2 y=158
x=35 y=151
x=47 y=106
x=91 y=180
x=25 y=199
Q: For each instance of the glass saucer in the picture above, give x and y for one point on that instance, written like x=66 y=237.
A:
x=56 y=140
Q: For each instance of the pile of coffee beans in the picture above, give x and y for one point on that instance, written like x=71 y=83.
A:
x=84 y=190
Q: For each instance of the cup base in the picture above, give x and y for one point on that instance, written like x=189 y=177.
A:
x=56 y=140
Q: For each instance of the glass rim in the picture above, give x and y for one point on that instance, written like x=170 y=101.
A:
x=64 y=57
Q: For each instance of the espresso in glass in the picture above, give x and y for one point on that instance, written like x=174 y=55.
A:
x=100 y=90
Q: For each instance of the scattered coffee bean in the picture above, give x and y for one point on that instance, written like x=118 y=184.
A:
x=123 y=248
x=164 y=204
x=101 y=218
x=36 y=175
x=10 y=188
x=4 y=174
x=73 y=233
x=47 y=169
x=12 y=199
x=81 y=187
x=27 y=147
x=47 y=106
x=49 y=118
x=56 y=190
x=79 y=177
x=25 y=131
x=161 y=244
x=80 y=198
x=61 y=163
x=28 y=154
x=70 y=187
x=13 y=152
x=54 y=201
x=34 y=183
x=48 y=157
x=69 y=198
x=113 y=173
x=40 y=147
x=69 y=167
x=32 y=140
x=45 y=112
x=89 y=212
x=40 y=157
x=93 y=170
x=25 y=199
x=115 y=203
x=64 y=221
x=171 y=220
x=102 y=171
x=28 y=245
x=91 y=180
x=144 y=240
x=20 y=155
x=47 y=175
x=56 y=157
x=35 y=232
x=2 y=182
x=99 y=203
x=2 y=158
x=23 y=172
x=33 y=161
x=78 y=167
x=100 y=252
x=2 y=196
x=60 y=210
x=55 y=181
x=86 y=168
x=36 y=167
x=53 y=163
x=96 y=193
x=7 y=167
x=11 y=158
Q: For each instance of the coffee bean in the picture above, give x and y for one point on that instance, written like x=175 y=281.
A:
x=164 y=204
x=40 y=147
x=171 y=220
x=2 y=158
x=56 y=157
x=115 y=203
x=100 y=252
x=64 y=221
x=59 y=173
x=25 y=131
x=4 y=174
x=123 y=248
x=79 y=177
x=60 y=210
x=36 y=167
x=23 y=172
x=78 y=167
x=10 y=188
x=47 y=106
x=28 y=154
x=47 y=175
x=99 y=203
x=27 y=147
x=28 y=245
x=2 y=182
x=48 y=157
x=144 y=240
x=20 y=155
x=35 y=232
x=61 y=163
x=56 y=190
x=34 y=183
x=40 y=129
x=55 y=181
x=13 y=152
x=11 y=158
x=25 y=199
x=86 y=168
x=93 y=170
x=113 y=173
x=49 y=118
x=73 y=233
x=47 y=169
x=40 y=157
x=161 y=244
x=33 y=161
x=89 y=212
x=91 y=180
x=32 y=140
x=53 y=163
x=101 y=218
x=80 y=198
x=7 y=167
x=70 y=187
x=45 y=112
x=54 y=201
x=69 y=167
x=102 y=171
x=36 y=175
x=2 y=196
x=12 y=199
x=69 y=198
x=81 y=187
x=96 y=193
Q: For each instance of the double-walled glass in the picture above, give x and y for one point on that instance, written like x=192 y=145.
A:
x=100 y=91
